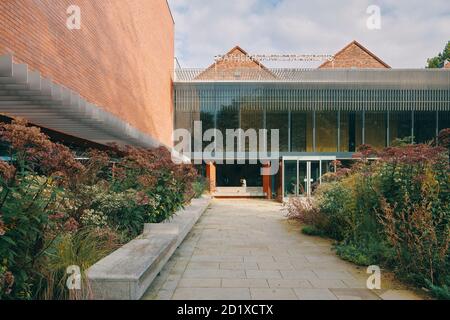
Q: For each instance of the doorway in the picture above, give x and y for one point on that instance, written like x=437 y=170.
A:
x=302 y=175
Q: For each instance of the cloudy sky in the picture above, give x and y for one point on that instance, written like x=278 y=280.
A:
x=411 y=30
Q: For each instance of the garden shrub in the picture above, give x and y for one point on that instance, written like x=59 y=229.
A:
x=392 y=211
x=304 y=210
x=199 y=186
x=56 y=211
x=82 y=248
x=336 y=207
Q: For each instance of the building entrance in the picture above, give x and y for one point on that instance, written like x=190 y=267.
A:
x=302 y=175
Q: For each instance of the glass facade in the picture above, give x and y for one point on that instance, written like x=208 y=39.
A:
x=326 y=130
x=301 y=128
x=375 y=129
x=315 y=119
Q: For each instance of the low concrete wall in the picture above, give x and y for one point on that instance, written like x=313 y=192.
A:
x=127 y=273
x=235 y=192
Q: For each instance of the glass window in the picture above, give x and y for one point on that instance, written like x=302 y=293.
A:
x=251 y=119
x=424 y=126
x=228 y=118
x=230 y=175
x=280 y=121
x=444 y=120
x=351 y=131
x=183 y=120
x=376 y=129
x=302 y=131
x=207 y=118
x=290 y=178
x=400 y=124
x=326 y=131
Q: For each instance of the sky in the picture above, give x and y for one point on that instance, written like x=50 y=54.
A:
x=410 y=30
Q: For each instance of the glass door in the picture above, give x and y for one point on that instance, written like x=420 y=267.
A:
x=290 y=178
x=302 y=176
x=314 y=176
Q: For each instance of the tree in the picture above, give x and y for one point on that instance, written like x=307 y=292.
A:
x=440 y=59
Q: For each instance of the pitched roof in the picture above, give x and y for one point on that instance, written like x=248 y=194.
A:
x=341 y=61
x=236 y=65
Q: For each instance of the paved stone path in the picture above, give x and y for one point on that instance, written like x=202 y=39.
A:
x=246 y=249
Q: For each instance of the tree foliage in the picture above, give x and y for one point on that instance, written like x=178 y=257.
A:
x=440 y=60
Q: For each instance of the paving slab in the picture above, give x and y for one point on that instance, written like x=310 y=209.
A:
x=273 y=294
x=245 y=283
x=246 y=249
x=211 y=294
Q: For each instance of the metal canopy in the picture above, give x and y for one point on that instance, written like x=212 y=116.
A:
x=26 y=94
x=436 y=78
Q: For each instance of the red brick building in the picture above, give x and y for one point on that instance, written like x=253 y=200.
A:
x=121 y=59
x=355 y=55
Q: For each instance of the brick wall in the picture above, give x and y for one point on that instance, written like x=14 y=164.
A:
x=355 y=56
x=121 y=59
x=236 y=66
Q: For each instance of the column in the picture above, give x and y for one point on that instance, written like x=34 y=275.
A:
x=267 y=181
x=211 y=176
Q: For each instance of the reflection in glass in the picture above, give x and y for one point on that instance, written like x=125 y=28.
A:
x=351 y=131
x=376 y=129
x=251 y=119
x=326 y=131
x=228 y=118
x=302 y=131
x=230 y=175
x=424 y=126
x=207 y=119
x=290 y=177
x=315 y=175
x=280 y=121
x=444 y=120
x=400 y=125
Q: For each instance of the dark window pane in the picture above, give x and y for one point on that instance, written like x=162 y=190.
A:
x=228 y=118
x=302 y=131
x=207 y=119
x=351 y=131
x=444 y=120
x=251 y=120
x=290 y=178
x=280 y=121
x=399 y=125
x=231 y=175
x=424 y=126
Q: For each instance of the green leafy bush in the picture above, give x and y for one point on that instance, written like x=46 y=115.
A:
x=393 y=211
x=56 y=211
x=199 y=186
x=312 y=231
x=81 y=248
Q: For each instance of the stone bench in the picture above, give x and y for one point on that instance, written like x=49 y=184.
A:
x=127 y=273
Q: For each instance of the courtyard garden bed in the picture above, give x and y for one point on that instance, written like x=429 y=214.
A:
x=393 y=212
x=57 y=211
